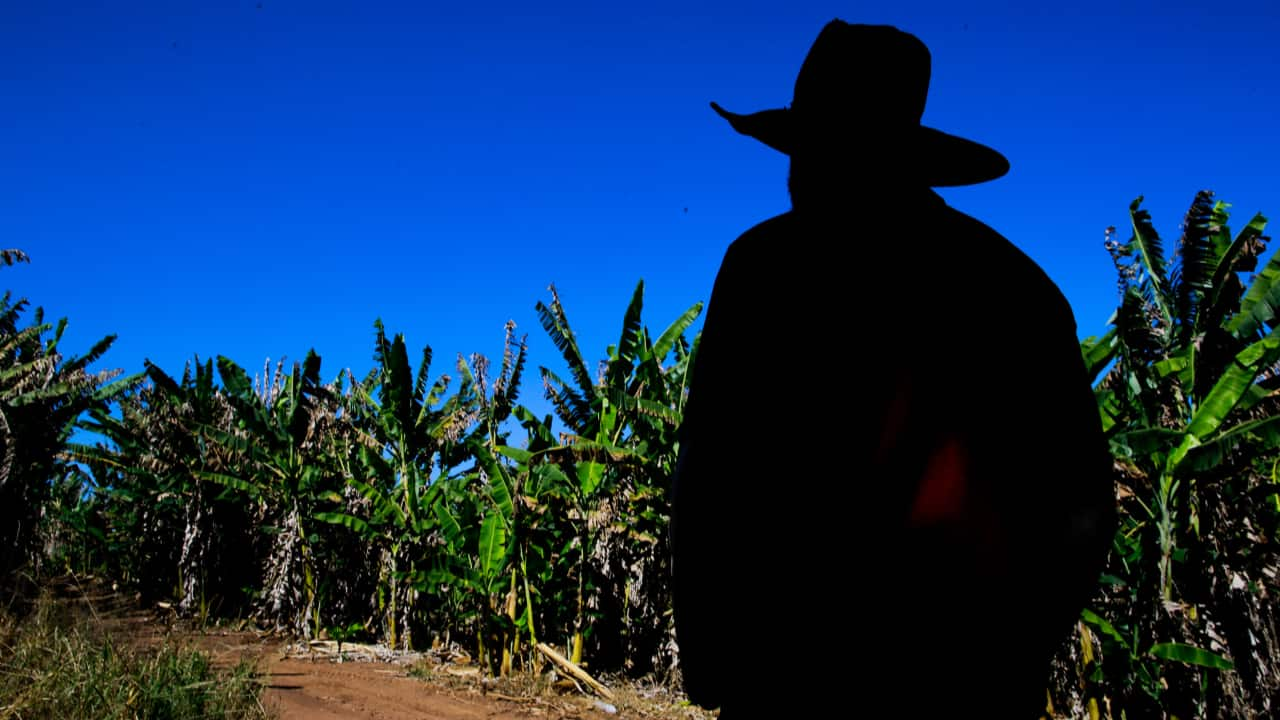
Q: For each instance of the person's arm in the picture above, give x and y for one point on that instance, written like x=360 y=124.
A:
x=705 y=516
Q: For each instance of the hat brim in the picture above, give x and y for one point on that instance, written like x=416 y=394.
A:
x=938 y=158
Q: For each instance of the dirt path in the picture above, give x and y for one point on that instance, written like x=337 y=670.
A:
x=324 y=691
x=309 y=684
x=317 y=687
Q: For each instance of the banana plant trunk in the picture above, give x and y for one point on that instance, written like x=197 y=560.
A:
x=511 y=646
x=191 y=561
x=528 y=601
x=387 y=601
x=289 y=593
x=579 y=620
x=398 y=604
x=405 y=604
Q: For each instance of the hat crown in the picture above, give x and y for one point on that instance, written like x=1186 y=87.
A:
x=859 y=99
x=863 y=75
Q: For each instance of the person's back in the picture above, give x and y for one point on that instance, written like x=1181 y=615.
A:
x=927 y=470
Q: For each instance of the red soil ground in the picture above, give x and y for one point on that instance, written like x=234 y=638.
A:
x=308 y=683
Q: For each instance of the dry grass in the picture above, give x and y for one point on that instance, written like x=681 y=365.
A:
x=547 y=688
x=57 y=663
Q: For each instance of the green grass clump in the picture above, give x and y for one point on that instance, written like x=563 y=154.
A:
x=49 y=668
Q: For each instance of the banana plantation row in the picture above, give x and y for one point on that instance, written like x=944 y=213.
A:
x=414 y=507
x=397 y=505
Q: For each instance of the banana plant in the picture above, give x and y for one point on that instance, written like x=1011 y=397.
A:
x=412 y=438
x=480 y=522
x=540 y=491
x=1143 y=666
x=1189 y=395
x=159 y=445
x=620 y=444
x=1195 y=355
x=180 y=410
x=501 y=537
x=281 y=464
x=505 y=531
x=43 y=394
x=141 y=507
x=480 y=531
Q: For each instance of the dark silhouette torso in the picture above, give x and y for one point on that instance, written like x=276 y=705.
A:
x=849 y=361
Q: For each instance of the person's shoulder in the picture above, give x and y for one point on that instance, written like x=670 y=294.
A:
x=766 y=231
x=981 y=246
x=752 y=248
x=980 y=236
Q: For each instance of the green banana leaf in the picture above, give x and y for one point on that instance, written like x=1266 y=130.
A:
x=1151 y=255
x=1106 y=628
x=1190 y=655
x=493 y=547
x=1259 y=305
x=350 y=522
x=1232 y=385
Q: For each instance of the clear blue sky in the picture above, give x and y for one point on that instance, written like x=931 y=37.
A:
x=256 y=179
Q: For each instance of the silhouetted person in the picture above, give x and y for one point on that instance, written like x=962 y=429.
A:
x=908 y=510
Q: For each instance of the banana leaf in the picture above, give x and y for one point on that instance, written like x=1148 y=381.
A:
x=623 y=356
x=1259 y=306
x=1106 y=628
x=1233 y=384
x=350 y=522
x=493 y=547
x=662 y=346
x=1098 y=353
x=1146 y=241
x=1190 y=655
x=556 y=324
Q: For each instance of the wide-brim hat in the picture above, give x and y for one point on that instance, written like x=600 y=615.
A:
x=865 y=86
